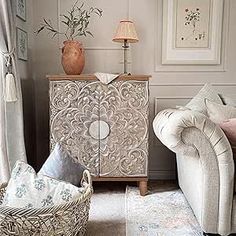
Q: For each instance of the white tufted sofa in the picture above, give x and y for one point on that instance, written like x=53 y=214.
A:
x=205 y=164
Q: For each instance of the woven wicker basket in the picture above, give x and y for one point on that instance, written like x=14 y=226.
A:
x=65 y=219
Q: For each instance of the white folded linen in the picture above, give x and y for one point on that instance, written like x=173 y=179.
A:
x=106 y=78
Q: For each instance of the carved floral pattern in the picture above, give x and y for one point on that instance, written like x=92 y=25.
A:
x=123 y=105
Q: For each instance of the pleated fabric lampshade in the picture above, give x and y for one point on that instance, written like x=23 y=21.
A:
x=126 y=31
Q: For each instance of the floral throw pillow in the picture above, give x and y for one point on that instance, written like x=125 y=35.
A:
x=26 y=189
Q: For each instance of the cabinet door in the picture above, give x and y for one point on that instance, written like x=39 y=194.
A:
x=124 y=129
x=74 y=110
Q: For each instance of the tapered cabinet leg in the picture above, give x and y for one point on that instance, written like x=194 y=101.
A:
x=143 y=187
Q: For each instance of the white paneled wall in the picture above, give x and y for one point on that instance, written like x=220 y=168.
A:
x=169 y=86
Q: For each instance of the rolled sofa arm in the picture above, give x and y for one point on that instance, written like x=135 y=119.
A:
x=169 y=125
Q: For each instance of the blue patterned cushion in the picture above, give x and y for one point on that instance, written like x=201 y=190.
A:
x=26 y=189
x=60 y=165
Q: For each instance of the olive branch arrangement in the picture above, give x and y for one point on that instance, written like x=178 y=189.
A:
x=77 y=22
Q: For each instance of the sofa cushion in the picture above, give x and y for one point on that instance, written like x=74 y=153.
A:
x=60 y=165
x=218 y=112
x=198 y=103
x=26 y=189
x=227 y=100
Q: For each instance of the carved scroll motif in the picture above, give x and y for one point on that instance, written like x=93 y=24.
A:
x=122 y=107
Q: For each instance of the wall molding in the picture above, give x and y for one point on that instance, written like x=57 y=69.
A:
x=128 y=9
x=190 y=84
x=159 y=67
x=103 y=48
x=176 y=84
x=168 y=98
x=58 y=21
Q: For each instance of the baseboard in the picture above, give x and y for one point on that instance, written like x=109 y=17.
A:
x=162 y=174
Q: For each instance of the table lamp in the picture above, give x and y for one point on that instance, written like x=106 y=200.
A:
x=125 y=33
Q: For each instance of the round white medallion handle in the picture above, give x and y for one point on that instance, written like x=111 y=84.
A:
x=99 y=129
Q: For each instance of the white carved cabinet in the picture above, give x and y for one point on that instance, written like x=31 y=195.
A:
x=105 y=127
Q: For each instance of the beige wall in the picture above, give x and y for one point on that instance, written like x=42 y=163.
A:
x=169 y=85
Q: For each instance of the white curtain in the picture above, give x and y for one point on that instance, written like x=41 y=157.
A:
x=12 y=147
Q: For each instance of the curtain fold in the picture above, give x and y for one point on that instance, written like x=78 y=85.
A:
x=12 y=147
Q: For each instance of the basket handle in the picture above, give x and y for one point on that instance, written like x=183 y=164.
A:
x=3 y=185
x=87 y=178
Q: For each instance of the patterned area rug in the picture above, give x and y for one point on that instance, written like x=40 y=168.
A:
x=163 y=212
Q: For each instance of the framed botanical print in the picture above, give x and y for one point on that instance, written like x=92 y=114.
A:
x=22 y=44
x=192 y=31
x=21 y=9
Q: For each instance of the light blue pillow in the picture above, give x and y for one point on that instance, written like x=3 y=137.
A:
x=60 y=165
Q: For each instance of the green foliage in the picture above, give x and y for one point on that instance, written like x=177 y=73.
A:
x=76 y=20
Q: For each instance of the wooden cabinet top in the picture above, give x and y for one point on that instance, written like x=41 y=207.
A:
x=93 y=77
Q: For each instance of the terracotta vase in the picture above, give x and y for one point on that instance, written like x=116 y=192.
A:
x=73 y=59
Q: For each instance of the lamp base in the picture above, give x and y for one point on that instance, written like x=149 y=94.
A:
x=125 y=46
